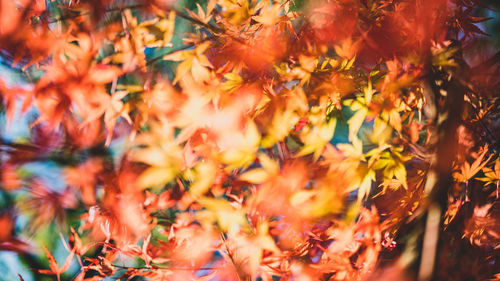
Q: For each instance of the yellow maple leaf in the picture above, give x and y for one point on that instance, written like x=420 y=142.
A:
x=317 y=138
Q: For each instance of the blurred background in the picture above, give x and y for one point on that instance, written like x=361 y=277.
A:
x=26 y=224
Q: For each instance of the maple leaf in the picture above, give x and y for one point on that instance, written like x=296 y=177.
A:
x=48 y=204
x=54 y=266
x=364 y=182
x=492 y=176
x=202 y=16
x=257 y=52
x=317 y=138
x=242 y=152
x=332 y=21
x=268 y=16
x=279 y=127
x=353 y=151
x=451 y=212
x=304 y=71
x=162 y=155
x=192 y=245
x=157 y=32
x=204 y=176
x=357 y=119
x=84 y=178
x=12 y=96
x=233 y=81
x=260 y=175
x=467 y=171
x=193 y=61
x=392 y=163
x=260 y=242
x=347 y=48
x=75 y=244
x=227 y=217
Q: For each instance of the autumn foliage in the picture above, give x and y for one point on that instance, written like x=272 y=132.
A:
x=251 y=140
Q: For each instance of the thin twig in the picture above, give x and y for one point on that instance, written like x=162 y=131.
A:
x=241 y=275
x=166 y=268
